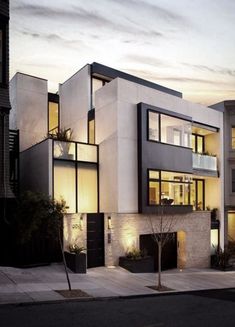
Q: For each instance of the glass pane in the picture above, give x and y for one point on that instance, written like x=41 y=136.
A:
x=214 y=240
x=154 y=193
x=86 y=152
x=64 y=184
x=200 y=140
x=153 y=120
x=64 y=150
x=193 y=143
x=177 y=137
x=231 y=225
x=172 y=130
x=199 y=195
x=174 y=193
x=166 y=175
x=153 y=174
x=87 y=189
x=53 y=116
x=233 y=137
x=92 y=131
x=193 y=194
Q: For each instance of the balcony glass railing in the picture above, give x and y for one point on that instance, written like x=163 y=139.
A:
x=205 y=162
x=67 y=150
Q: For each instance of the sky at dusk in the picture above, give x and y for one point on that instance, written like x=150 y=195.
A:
x=187 y=45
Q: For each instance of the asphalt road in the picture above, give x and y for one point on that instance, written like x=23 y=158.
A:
x=211 y=308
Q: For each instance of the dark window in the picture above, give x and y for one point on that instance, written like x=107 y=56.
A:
x=168 y=188
x=233 y=180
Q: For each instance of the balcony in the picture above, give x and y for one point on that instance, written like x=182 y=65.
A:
x=205 y=163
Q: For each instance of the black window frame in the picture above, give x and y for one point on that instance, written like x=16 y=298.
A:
x=159 y=127
x=197 y=136
x=197 y=180
x=160 y=180
x=90 y=117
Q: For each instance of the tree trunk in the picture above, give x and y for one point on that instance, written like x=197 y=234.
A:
x=64 y=262
x=159 y=264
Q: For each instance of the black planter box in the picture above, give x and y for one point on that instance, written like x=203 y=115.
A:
x=143 y=265
x=76 y=262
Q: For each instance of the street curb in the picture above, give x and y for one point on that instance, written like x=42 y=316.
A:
x=111 y=298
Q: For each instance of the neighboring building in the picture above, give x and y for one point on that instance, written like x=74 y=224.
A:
x=5 y=190
x=137 y=147
x=228 y=110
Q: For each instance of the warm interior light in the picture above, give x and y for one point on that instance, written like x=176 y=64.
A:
x=109 y=222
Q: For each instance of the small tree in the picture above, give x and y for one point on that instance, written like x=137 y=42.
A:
x=162 y=233
x=37 y=212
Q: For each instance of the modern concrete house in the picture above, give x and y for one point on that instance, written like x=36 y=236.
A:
x=139 y=151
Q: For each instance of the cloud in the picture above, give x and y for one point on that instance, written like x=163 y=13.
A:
x=154 y=9
x=87 y=17
x=146 y=60
x=217 y=70
x=57 y=39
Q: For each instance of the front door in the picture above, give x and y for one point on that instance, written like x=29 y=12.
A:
x=95 y=240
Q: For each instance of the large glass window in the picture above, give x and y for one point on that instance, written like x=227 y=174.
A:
x=1 y=55
x=87 y=189
x=53 y=116
x=168 y=129
x=233 y=138
x=168 y=188
x=64 y=184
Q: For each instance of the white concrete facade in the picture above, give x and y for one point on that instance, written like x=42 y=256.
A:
x=116 y=134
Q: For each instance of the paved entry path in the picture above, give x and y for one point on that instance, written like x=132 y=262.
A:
x=39 y=284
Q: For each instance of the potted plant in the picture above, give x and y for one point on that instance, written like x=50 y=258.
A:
x=62 y=147
x=76 y=258
x=137 y=261
x=221 y=259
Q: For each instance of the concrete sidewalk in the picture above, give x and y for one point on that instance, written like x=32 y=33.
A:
x=39 y=284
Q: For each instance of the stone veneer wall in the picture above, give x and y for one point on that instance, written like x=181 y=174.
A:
x=75 y=230
x=193 y=235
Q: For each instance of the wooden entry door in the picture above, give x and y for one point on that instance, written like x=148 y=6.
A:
x=169 y=253
x=95 y=240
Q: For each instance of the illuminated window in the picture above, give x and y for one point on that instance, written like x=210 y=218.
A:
x=53 y=116
x=87 y=189
x=168 y=188
x=233 y=138
x=65 y=184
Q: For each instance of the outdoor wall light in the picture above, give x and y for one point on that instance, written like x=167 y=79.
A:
x=109 y=222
